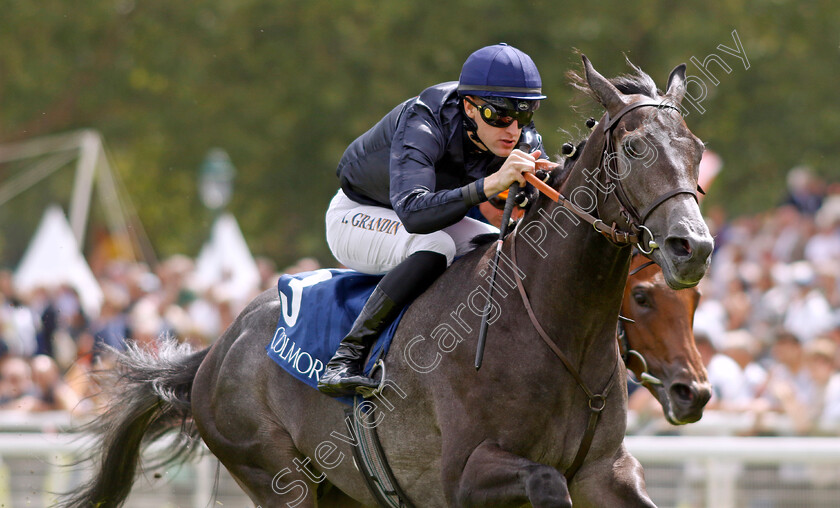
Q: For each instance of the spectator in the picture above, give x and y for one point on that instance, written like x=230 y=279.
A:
x=710 y=316
x=79 y=376
x=808 y=313
x=17 y=389
x=787 y=378
x=770 y=271
x=268 y=272
x=111 y=328
x=824 y=245
x=53 y=393
x=812 y=401
x=820 y=411
x=20 y=327
x=737 y=303
x=789 y=245
x=742 y=347
x=730 y=391
x=829 y=422
x=804 y=190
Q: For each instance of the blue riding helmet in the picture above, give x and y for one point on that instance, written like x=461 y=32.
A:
x=501 y=71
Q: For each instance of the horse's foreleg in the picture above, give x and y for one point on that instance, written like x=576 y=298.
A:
x=495 y=477
x=614 y=481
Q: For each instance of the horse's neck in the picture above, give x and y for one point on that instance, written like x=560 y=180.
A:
x=577 y=289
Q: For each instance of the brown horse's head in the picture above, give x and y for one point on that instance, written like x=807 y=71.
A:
x=649 y=171
x=663 y=338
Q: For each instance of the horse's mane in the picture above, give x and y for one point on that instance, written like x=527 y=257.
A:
x=629 y=84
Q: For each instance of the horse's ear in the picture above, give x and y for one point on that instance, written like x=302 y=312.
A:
x=676 y=84
x=607 y=94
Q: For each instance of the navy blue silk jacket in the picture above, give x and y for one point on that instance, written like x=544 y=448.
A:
x=419 y=161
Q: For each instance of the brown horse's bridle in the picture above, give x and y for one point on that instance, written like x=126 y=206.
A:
x=626 y=352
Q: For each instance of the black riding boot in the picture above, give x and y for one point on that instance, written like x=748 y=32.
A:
x=343 y=373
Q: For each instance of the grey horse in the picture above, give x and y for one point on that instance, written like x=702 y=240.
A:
x=518 y=431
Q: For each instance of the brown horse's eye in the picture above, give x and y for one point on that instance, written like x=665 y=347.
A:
x=641 y=298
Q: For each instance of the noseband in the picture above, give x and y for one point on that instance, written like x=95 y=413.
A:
x=635 y=219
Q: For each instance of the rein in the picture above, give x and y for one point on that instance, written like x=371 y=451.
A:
x=635 y=219
x=612 y=233
x=597 y=401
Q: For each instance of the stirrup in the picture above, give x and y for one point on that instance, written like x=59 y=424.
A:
x=366 y=392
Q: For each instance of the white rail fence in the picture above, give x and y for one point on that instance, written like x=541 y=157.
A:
x=681 y=472
x=740 y=472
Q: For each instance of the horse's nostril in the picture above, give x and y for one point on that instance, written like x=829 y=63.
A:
x=679 y=247
x=682 y=392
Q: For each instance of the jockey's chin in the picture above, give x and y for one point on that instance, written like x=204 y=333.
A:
x=500 y=140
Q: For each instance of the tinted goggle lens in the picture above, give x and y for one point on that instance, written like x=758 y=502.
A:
x=504 y=117
x=497 y=116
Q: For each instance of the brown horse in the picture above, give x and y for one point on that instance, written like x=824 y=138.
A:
x=658 y=345
x=540 y=423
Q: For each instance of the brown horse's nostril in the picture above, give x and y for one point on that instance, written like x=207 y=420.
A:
x=682 y=392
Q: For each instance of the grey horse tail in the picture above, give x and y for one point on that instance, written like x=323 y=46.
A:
x=148 y=397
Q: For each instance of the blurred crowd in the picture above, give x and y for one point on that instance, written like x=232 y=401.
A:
x=50 y=350
x=767 y=326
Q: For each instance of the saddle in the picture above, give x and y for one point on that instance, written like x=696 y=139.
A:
x=318 y=308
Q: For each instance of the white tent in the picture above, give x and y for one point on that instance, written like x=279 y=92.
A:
x=53 y=258
x=226 y=263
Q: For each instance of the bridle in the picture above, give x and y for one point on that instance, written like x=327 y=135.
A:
x=626 y=352
x=634 y=219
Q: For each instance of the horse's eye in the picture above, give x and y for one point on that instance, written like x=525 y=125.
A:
x=633 y=147
x=640 y=297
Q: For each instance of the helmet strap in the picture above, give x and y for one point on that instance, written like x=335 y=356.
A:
x=472 y=130
x=474 y=136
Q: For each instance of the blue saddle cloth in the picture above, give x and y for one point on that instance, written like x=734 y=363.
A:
x=318 y=309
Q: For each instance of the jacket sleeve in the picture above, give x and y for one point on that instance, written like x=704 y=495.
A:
x=418 y=144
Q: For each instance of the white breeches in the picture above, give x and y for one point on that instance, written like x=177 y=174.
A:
x=371 y=239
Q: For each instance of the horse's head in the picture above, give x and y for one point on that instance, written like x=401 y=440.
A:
x=665 y=358
x=649 y=169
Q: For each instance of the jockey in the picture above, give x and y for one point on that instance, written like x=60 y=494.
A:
x=408 y=183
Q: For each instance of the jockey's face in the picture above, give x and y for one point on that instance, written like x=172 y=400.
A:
x=500 y=140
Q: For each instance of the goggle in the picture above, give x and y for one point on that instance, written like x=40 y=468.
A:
x=498 y=115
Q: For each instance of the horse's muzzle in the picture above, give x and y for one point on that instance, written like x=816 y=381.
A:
x=688 y=253
x=688 y=401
